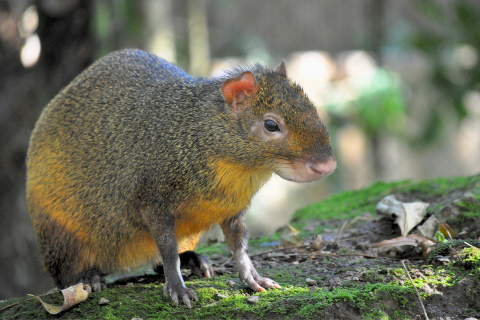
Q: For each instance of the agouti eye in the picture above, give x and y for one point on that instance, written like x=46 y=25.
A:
x=271 y=125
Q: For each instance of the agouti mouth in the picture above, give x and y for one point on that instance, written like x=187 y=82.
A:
x=324 y=168
x=306 y=171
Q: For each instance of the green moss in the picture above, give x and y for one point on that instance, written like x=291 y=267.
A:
x=471 y=209
x=349 y=203
x=375 y=296
x=362 y=296
x=213 y=248
x=352 y=203
x=470 y=258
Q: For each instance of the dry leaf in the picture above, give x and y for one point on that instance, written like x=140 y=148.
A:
x=406 y=214
x=418 y=237
x=446 y=230
x=410 y=240
x=427 y=246
x=396 y=242
x=289 y=237
x=72 y=295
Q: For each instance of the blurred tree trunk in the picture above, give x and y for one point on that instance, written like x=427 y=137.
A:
x=66 y=49
x=374 y=45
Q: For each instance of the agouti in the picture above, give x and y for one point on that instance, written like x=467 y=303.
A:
x=134 y=159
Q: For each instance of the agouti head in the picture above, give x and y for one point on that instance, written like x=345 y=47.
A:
x=275 y=113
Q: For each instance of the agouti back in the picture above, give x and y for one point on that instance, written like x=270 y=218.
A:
x=134 y=159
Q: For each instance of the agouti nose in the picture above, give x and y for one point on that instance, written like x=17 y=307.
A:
x=325 y=168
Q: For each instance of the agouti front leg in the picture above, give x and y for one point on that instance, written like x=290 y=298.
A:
x=236 y=235
x=161 y=225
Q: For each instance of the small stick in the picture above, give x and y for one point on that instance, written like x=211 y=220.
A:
x=322 y=254
x=449 y=235
x=278 y=249
x=340 y=230
x=418 y=295
x=354 y=238
x=40 y=295
x=225 y=262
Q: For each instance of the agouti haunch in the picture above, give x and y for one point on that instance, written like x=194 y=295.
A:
x=134 y=159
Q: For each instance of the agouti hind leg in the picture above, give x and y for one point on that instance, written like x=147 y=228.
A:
x=94 y=278
x=196 y=263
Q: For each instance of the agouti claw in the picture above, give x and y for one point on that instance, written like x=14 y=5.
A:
x=184 y=293
x=262 y=283
x=268 y=283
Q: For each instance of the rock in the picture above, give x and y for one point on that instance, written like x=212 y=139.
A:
x=221 y=270
x=103 y=301
x=216 y=256
x=313 y=289
x=231 y=283
x=428 y=228
x=129 y=285
x=253 y=299
x=427 y=288
x=221 y=296
x=318 y=243
x=334 y=282
x=311 y=282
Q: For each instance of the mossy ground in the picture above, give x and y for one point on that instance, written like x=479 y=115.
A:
x=348 y=286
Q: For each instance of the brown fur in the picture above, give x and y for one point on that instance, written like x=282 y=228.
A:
x=135 y=155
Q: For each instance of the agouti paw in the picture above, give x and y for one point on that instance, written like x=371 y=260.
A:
x=94 y=279
x=198 y=264
x=259 y=283
x=179 y=292
x=267 y=283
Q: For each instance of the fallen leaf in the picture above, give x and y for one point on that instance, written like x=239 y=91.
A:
x=418 y=237
x=72 y=295
x=446 y=230
x=407 y=215
x=289 y=237
x=396 y=242
x=410 y=240
x=427 y=246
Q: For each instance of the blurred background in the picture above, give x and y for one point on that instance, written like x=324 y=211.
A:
x=396 y=82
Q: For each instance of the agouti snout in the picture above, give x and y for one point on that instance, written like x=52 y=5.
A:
x=133 y=160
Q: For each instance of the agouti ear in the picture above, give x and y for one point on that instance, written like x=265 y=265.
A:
x=236 y=90
x=281 y=69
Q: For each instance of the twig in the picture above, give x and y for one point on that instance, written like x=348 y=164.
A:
x=40 y=295
x=225 y=262
x=278 y=249
x=449 y=235
x=11 y=305
x=340 y=230
x=322 y=254
x=352 y=254
x=354 y=238
x=418 y=295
